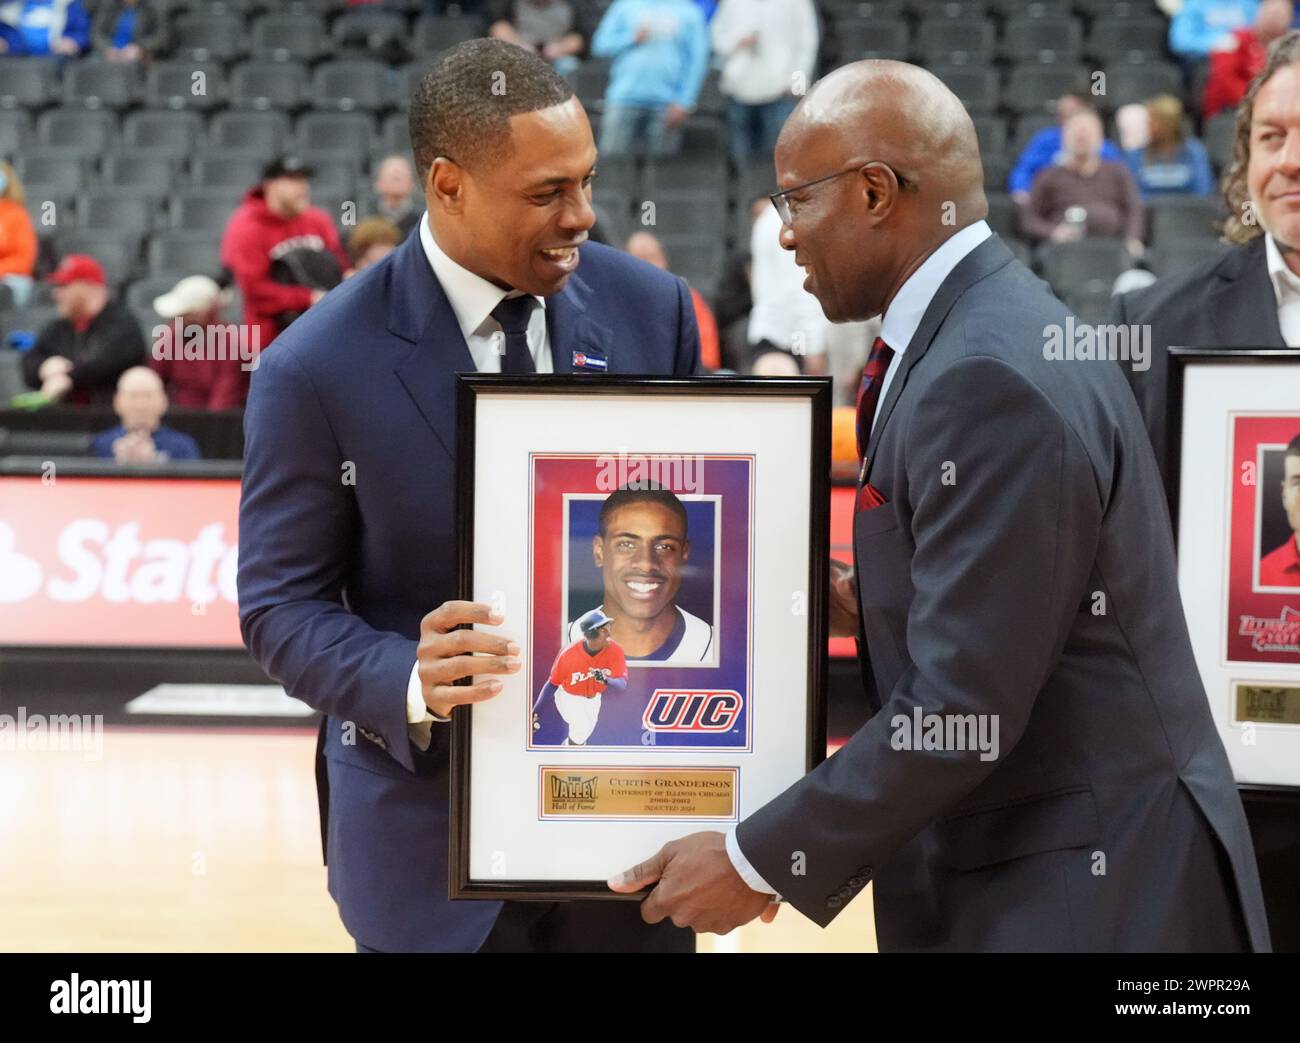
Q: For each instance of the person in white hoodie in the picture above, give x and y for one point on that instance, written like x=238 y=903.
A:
x=769 y=54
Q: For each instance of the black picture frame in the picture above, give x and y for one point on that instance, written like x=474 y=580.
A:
x=1176 y=377
x=818 y=391
x=1179 y=360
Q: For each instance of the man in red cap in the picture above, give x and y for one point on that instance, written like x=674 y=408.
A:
x=79 y=356
x=284 y=252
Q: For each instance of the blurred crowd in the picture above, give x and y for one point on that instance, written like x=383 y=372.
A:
x=1088 y=172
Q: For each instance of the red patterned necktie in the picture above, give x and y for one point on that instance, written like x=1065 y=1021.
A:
x=873 y=375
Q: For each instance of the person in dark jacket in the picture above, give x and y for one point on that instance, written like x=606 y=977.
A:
x=79 y=356
x=141 y=438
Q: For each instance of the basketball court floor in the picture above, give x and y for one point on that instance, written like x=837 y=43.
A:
x=206 y=839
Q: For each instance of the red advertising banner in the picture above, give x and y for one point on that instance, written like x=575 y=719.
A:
x=137 y=562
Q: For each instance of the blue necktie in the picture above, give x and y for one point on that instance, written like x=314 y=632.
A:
x=513 y=314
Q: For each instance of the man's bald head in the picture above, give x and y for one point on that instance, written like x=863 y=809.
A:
x=140 y=400
x=916 y=179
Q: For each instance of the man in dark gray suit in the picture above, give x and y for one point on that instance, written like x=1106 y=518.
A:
x=1015 y=582
x=1249 y=298
x=1237 y=300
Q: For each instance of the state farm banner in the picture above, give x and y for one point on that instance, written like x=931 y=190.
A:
x=119 y=562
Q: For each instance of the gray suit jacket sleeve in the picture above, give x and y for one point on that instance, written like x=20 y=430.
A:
x=1005 y=516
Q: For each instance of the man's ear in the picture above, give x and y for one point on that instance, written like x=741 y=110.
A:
x=445 y=184
x=686 y=550
x=598 y=551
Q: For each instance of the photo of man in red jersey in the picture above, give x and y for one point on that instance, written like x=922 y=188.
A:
x=582 y=672
x=1281 y=567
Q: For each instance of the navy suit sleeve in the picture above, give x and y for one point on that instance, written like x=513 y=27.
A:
x=1004 y=542
x=297 y=524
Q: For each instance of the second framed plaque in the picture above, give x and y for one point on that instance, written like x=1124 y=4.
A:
x=658 y=548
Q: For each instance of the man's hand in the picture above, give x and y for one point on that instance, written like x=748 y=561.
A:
x=446 y=655
x=674 y=115
x=56 y=385
x=53 y=365
x=844 y=600
x=1066 y=233
x=697 y=887
x=135 y=447
x=316 y=295
x=600 y=675
x=65 y=45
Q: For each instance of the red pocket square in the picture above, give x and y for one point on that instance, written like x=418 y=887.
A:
x=869 y=497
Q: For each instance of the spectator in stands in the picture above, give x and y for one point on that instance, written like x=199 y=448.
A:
x=17 y=237
x=1174 y=162
x=285 y=254
x=1084 y=195
x=647 y=247
x=1248 y=297
x=44 y=27
x=210 y=378
x=372 y=240
x=660 y=50
x=128 y=30
x=769 y=54
x=79 y=356
x=1044 y=148
x=1132 y=126
x=558 y=30
x=397 y=196
x=1233 y=66
x=1202 y=26
x=785 y=318
x=141 y=438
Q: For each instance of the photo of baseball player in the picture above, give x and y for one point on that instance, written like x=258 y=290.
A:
x=1280 y=567
x=582 y=672
x=641 y=549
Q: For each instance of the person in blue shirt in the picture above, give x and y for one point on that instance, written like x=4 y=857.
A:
x=1044 y=148
x=1173 y=162
x=660 y=52
x=1201 y=25
x=128 y=30
x=141 y=438
x=44 y=27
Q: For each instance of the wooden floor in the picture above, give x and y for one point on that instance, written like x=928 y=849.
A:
x=195 y=840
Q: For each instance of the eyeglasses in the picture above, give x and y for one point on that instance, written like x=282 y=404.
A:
x=782 y=204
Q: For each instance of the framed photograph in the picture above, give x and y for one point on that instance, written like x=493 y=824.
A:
x=1234 y=425
x=658 y=547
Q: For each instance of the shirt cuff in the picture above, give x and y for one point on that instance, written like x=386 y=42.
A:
x=417 y=711
x=747 y=872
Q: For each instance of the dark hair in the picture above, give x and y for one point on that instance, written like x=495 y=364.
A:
x=652 y=493
x=461 y=108
x=1284 y=51
x=1293 y=447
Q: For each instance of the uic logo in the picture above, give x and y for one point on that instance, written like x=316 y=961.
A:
x=677 y=710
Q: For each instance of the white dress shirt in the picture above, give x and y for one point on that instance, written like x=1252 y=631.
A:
x=1286 y=287
x=902 y=318
x=472 y=299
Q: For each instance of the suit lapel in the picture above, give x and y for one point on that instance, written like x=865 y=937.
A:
x=1243 y=308
x=985 y=259
x=419 y=312
x=572 y=332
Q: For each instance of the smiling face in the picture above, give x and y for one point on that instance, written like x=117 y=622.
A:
x=642 y=552
x=1273 y=174
x=518 y=222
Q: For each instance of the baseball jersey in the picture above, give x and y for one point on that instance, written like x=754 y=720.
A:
x=691 y=641
x=573 y=667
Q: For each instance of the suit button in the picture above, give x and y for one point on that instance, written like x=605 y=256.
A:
x=833 y=902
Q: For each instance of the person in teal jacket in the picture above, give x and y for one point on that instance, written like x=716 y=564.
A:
x=660 y=52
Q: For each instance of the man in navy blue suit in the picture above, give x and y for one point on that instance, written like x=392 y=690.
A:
x=347 y=523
